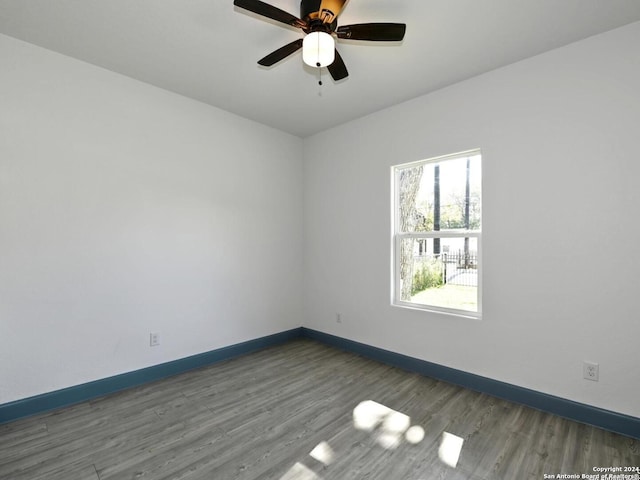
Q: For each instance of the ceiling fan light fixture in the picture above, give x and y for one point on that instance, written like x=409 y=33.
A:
x=318 y=19
x=318 y=49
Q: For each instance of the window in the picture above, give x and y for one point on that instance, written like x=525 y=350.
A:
x=437 y=234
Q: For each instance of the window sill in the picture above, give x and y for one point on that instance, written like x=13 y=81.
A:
x=439 y=310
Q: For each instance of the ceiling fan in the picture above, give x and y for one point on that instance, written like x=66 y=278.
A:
x=319 y=21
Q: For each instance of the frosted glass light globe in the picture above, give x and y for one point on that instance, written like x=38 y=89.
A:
x=318 y=49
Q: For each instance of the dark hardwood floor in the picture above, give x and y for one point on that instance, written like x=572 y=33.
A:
x=304 y=411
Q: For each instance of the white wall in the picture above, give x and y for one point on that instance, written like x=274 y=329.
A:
x=126 y=209
x=559 y=136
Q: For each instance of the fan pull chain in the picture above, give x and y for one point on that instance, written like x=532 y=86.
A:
x=318 y=64
x=319 y=80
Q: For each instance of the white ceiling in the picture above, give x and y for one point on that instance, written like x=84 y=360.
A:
x=208 y=49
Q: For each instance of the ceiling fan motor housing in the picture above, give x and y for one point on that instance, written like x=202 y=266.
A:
x=310 y=13
x=307 y=7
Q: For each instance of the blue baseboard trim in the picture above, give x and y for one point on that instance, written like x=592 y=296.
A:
x=598 y=417
x=69 y=396
x=608 y=420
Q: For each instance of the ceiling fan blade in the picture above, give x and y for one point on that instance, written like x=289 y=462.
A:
x=281 y=53
x=377 y=32
x=269 y=11
x=338 y=69
x=330 y=9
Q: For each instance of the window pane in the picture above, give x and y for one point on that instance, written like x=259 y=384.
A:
x=437 y=230
x=440 y=196
x=440 y=272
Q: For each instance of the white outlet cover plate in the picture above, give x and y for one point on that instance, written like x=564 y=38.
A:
x=591 y=371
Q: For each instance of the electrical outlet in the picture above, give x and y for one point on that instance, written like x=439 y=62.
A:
x=154 y=339
x=590 y=371
x=338 y=318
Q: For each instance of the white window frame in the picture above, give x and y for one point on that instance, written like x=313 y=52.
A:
x=398 y=236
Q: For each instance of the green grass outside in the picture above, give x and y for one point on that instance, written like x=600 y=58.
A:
x=449 y=296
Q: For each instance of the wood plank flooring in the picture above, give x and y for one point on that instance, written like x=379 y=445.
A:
x=303 y=411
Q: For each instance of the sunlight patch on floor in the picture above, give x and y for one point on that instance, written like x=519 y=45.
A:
x=388 y=428
x=386 y=424
x=414 y=435
x=450 y=448
x=323 y=453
